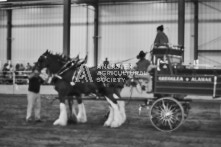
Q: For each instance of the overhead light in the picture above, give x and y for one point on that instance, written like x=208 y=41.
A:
x=3 y=0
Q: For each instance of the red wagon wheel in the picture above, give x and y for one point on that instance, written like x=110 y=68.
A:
x=166 y=114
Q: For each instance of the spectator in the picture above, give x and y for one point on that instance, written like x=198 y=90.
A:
x=17 y=68
x=28 y=67
x=7 y=68
x=21 y=68
x=106 y=62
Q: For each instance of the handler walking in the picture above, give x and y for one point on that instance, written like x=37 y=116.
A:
x=33 y=96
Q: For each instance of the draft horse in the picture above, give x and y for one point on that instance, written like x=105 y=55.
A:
x=67 y=83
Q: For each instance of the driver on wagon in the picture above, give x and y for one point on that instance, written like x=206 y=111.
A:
x=161 y=38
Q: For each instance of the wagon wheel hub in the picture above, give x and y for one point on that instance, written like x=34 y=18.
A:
x=166 y=115
x=166 y=112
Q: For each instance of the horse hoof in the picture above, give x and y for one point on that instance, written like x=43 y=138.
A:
x=106 y=124
x=60 y=123
x=79 y=120
x=115 y=124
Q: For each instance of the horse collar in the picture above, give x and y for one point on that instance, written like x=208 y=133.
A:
x=76 y=75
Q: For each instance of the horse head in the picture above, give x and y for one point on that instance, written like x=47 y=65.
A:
x=43 y=60
x=53 y=62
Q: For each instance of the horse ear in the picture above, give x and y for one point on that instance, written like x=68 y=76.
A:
x=77 y=58
x=85 y=59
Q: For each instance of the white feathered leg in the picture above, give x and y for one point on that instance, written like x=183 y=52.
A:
x=117 y=120
x=73 y=114
x=81 y=117
x=74 y=111
x=110 y=117
x=117 y=117
x=84 y=113
x=63 y=117
x=121 y=105
x=122 y=110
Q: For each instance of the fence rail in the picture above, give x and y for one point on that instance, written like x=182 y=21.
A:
x=16 y=82
x=15 y=77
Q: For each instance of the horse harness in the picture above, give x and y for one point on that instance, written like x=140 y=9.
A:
x=67 y=67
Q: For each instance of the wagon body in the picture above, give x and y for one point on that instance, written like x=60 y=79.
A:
x=172 y=81
x=189 y=82
x=180 y=79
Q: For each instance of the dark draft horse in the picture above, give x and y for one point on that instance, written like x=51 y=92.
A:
x=67 y=83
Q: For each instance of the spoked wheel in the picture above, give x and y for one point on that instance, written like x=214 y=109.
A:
x=166 y=114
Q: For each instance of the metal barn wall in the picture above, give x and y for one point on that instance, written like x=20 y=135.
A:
x=3 y=38
x=82 y=31
x=210 y=32
x=34 y=30
x=189 y=34
x=128 y=28
x=125 y=29
x=39 y=28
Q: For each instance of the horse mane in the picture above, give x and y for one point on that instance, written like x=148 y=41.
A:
x=59 y=56
x=62 y=57
x=65 y=60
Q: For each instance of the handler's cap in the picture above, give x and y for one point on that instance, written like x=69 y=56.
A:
x=141 y=55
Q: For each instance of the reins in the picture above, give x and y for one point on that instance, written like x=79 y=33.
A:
x=67 y=66
x=122 y=61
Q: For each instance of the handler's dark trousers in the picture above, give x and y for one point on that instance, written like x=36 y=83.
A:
x=34 y=102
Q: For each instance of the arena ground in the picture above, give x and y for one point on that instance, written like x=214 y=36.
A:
x=201 y=129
